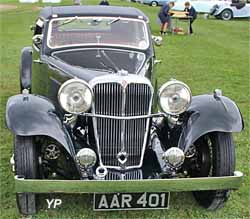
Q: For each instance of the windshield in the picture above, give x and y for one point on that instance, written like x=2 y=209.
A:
x=77 y=31
x=103 y=59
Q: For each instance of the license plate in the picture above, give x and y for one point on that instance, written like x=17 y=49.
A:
x=130 y=201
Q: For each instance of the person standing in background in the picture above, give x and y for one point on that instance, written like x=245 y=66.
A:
x=104 y=2
x=191 y=12
x=165 y=17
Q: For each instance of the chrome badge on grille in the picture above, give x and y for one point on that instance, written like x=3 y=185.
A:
x=124 y=84
x=122 y=157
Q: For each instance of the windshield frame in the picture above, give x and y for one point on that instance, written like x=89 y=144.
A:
x=98 y=44
x=100 y=48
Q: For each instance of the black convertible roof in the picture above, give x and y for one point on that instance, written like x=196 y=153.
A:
x=84 y=10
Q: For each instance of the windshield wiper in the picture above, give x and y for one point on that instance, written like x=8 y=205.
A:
x=107 y=68
x=67 y=21
x=114 y=21
x=110 y=60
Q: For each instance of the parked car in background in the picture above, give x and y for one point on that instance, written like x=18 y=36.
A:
x=228 y=10
x=201 y=6
x=139 y=1
x=155 y=3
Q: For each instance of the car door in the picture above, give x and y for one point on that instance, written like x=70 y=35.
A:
x=244 y=11
x=241 y=9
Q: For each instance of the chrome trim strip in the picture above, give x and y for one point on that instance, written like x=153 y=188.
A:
x=115 y=78
x=123 y=121
x=125 y=117
x=96 y=134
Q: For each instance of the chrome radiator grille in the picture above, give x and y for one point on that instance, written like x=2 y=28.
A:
x=117 y=135
x=129 y=175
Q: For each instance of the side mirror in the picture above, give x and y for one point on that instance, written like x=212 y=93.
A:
x=157 y=40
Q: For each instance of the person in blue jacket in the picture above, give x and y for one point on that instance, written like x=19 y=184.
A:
x=192 y=13
x=104 y=2
x=165 y=17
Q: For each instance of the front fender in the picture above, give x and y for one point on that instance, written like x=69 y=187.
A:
x=221 y=9
x=217 y=12
x=30 y=115
x=210 y=114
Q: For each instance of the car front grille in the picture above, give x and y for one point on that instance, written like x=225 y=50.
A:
x=115 y=135
x=129 y=175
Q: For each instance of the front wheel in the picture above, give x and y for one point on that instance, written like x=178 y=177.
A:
x=215 y=156
x=26 y=165
x=226 y=15
x=154 y=4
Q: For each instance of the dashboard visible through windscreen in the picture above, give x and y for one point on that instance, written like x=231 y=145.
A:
x=85 y=31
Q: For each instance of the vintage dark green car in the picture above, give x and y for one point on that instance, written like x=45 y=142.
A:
x=90 y=119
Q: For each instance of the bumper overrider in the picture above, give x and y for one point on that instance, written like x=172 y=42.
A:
x=111 y=186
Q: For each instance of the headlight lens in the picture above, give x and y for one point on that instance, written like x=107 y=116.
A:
x=75 y=96
x=174 y=97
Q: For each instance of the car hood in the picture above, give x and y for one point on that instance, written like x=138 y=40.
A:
x=74 y=71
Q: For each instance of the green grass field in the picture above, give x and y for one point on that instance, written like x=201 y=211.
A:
x=217 y=56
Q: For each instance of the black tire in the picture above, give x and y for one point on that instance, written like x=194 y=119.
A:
x=226 y=15
x=154 y=4
x=217 y=158
x=26 y=165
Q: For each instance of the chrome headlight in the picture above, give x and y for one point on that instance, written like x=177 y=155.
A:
x=174 y=97
x=75 y=96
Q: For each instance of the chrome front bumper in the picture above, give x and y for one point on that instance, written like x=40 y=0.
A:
x=108 y=186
